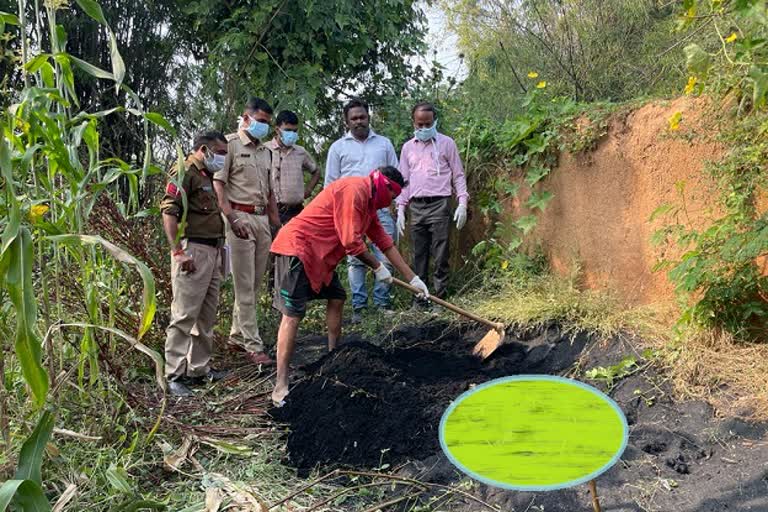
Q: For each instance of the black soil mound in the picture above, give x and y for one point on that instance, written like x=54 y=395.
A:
x=365 y=406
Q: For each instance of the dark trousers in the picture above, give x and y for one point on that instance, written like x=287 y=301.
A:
x=430 y=228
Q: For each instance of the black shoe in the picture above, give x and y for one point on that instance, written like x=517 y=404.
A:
x=216 y=375
x=357 y=316
x=201 y=380
x=178 y=388
x=422 y=306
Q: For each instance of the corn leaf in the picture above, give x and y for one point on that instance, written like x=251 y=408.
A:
x=119 y=478
x=123 y=256
x=155 y=356
x=160 y=121
x=18 y=281
x=14 y=215
x=93 y=9
x=91 y=69
x=118 y=66
x=10 y=19
x=26 y=495
x=31 y=456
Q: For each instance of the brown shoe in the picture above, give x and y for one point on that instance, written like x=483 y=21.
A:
x=260 y=358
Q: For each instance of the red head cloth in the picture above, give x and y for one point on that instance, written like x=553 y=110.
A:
x=383 y=198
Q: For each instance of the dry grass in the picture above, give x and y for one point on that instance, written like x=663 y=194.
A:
x=703 y=364
x=537 y=300
x=712 y=366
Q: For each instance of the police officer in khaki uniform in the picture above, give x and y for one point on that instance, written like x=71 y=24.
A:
x=245 y=197
x=196 y=261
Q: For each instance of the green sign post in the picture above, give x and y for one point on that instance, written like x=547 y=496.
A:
x=534 y=433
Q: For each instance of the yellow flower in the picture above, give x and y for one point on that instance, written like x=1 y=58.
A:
x=674 y=121
x=690 y=85
x=37 y=211
x=541 y=84
x=731 y=38
x=504 y=265
x=533 y=74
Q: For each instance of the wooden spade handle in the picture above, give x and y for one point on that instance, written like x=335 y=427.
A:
x=448 y=305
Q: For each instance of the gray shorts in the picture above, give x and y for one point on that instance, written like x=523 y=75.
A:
x=292 y=288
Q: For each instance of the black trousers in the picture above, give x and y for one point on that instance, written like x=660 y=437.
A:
x=430 y=228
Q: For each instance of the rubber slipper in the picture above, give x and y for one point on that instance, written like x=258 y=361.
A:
x=279 y=404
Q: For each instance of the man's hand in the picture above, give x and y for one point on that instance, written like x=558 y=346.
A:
x=416 y=282
x=460 y=217
x=185 y=261
x=400 y=221
x=383 y=274
x=237 y=226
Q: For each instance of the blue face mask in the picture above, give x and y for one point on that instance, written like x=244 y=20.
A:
x=289 y=137
x=257 y=129
x=425 y=134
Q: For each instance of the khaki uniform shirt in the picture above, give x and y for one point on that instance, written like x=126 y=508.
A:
x=203 y=215
x=246 y=171
x=288 y=166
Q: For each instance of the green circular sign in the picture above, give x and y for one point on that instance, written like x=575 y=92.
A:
x=533 y=433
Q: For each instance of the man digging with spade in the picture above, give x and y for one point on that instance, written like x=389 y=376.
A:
x=309 y=248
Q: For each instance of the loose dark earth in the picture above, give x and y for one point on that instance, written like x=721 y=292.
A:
x=373 y=405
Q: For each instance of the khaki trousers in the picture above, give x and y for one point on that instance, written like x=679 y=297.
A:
x=189 y=337
x=249 y=262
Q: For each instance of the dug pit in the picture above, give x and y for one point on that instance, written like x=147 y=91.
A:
x=378 y=406
x=368 y=406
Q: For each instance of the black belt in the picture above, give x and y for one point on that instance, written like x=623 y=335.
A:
x=429 y=199
x=210 y=242
x=289 y=207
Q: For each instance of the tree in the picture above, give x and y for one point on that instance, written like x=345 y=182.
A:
x=588 y=50
x=306 y=55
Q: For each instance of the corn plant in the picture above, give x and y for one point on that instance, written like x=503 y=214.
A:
x=52 y=177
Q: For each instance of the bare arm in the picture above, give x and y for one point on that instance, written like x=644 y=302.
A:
x=272 y=213
x=397 y=261
x=313 y=181
x=221 y=198
x=171 y=228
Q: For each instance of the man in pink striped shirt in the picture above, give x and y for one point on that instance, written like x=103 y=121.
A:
x=430 y=164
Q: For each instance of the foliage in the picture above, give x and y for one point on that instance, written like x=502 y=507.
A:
x=305 y=56
x=629 y=365
x=53 y=174
x=592 y=50
x=25 y=490
x=735 y=56
x=500 y=158
x=717 y=274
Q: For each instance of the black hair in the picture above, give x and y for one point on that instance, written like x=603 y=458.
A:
x=393 y=174
x=425 y=106
x=255 y=104
x=207 y=138
x=354 y=103
x=286 y=117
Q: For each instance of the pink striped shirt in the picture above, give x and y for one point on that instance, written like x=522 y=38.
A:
x=433 y=168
